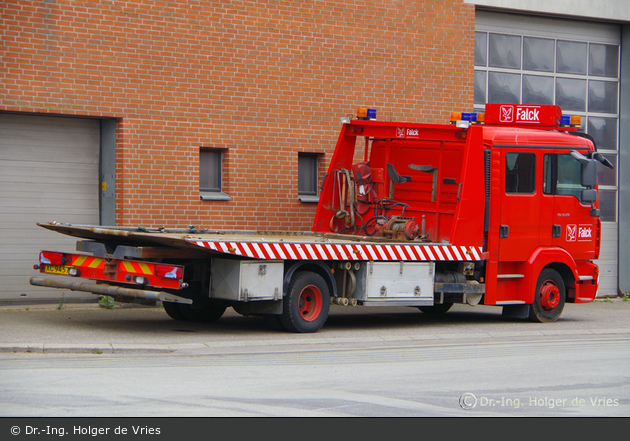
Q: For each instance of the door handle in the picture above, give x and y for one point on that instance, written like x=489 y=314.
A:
x=556 y=231
x=504 y=231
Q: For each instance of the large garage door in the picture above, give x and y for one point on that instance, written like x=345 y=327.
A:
x=573 y=64
x=49 y=171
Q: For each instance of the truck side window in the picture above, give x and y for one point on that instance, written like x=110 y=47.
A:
x=520 y=173
x=562 y=175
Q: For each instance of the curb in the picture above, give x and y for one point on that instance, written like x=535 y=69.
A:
x=331 y=344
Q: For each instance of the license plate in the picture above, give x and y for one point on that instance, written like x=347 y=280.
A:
x=56 y=269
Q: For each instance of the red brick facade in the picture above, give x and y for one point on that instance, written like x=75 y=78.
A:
x=262 y=79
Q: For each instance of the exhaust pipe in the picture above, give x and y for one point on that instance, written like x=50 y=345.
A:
x=107 y=290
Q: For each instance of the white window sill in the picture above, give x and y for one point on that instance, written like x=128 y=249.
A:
x=214 y=196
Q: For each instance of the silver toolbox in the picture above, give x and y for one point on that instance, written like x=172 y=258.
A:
x=400 y=283
x=246 y=280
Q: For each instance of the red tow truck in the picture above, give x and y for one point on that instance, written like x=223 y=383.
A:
x=495 y=208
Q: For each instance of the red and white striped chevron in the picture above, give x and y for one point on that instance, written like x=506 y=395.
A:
x=343 y=251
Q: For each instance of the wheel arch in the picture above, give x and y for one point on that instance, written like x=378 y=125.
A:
x=316 y=267
x=557 y=259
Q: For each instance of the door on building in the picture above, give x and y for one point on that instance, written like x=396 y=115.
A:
x=49 y=171
x=575 y=64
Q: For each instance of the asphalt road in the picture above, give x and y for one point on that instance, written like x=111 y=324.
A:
x=395 y=362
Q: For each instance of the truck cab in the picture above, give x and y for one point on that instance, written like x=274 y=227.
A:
x=518 y=181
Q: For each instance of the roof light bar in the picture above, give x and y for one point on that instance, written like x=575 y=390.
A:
x=469 y=117
x=364 y=113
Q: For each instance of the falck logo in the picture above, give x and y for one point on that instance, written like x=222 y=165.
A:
x=571 y=233
x=400 y=132
x=507 y=114
x=585 y=234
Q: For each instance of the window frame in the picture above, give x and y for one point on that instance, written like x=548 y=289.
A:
x=212 y=193
x=552 y=177
x=310 y=195
x=514 y=171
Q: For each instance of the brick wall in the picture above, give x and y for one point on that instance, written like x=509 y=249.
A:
x=264 y=80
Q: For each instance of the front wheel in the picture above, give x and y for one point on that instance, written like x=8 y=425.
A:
x=549 y=297
x=306 y=305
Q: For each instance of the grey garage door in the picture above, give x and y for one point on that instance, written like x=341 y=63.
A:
x=49 y=171
x=573 y=64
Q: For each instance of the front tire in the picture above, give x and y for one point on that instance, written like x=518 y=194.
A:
x=549 y=298
x=306 y=305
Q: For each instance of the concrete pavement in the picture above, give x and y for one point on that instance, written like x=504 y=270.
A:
x=125 y=329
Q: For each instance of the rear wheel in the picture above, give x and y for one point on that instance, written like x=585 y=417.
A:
x=306 y=305
x=272 y=321
x=549 y=298
x=204 y=314
x=438 y=308
x=173 y=311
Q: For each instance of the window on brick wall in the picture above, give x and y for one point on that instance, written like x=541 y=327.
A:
x=211 y=174
x=307 y=177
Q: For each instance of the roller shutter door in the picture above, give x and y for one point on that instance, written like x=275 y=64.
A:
x=577 y=67
x=49 y=171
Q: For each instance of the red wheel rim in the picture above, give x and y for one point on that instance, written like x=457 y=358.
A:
x=310 y=303
x=549 y=295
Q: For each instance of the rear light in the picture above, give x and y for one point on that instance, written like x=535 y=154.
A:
x=50 y=258
x=168 y=271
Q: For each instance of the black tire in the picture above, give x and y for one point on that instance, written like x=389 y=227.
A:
x=203 y=314
x=437 y=309
x=173 y=311
x=305 y=307
x=549 y=297
x=272 y=321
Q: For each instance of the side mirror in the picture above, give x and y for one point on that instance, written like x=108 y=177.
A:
x=601 y=158
x=589 y=169
x=589 y=174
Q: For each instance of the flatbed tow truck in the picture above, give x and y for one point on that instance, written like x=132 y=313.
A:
x=498 y=208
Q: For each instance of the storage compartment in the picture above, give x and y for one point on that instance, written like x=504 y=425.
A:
x=246 y=280
x=395 y=283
